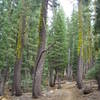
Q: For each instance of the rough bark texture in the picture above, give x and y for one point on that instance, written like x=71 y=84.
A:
x=80 y=72
x=80 y=48
x=17 y=78
x=3 y=77
x=37 y=74
x=16 y=86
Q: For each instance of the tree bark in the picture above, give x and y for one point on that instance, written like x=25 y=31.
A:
x=3 y=77
x=16 y=89
x=37 y=74
x=51 y=77
x=80 y=48
x=59 y=80
x=69 y=69
x=80 y=72
x=16 y=85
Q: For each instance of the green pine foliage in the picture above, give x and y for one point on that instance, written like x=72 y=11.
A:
x=95 y=71
x=63 y=32
x=57 y=57
x=97 y=23
x=72 y=40
x=9 y=29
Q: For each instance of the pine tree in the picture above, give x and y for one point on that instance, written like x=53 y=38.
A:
x=72 y=41
x=7 y=42
x=38 y=70
x=95 y=71
x=57 y=57
x=16 y=89
x=80 y=48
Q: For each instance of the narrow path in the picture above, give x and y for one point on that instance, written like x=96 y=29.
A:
x=63 y=94
x=68 y=91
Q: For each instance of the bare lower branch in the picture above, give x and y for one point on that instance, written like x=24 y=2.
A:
x=44 y=52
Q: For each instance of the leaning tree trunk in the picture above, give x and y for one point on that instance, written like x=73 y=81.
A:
x=37 y=74
x=16 y=86
x=3 y=77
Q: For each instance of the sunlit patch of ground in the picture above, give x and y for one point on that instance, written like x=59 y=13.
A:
x=68 y=91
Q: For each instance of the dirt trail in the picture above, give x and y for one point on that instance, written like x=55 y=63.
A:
x=68 y=91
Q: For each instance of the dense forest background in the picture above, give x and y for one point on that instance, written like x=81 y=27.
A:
x=37 y=51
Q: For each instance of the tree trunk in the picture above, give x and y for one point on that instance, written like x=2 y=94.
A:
x=3 y=77
x=80 y=72
x=37 y=74
x=17 y=78
x=98 y=81
x=69 y=69
x=80 y=48
x=16 y=85
x=58 y=80
x=51 y=77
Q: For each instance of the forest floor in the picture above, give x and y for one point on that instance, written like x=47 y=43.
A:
x=68 y=91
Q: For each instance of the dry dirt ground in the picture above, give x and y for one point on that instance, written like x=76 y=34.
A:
x=68 y=91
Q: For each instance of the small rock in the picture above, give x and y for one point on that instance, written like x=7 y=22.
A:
x=87 y=90
x=51 y=91
x=44 y=95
